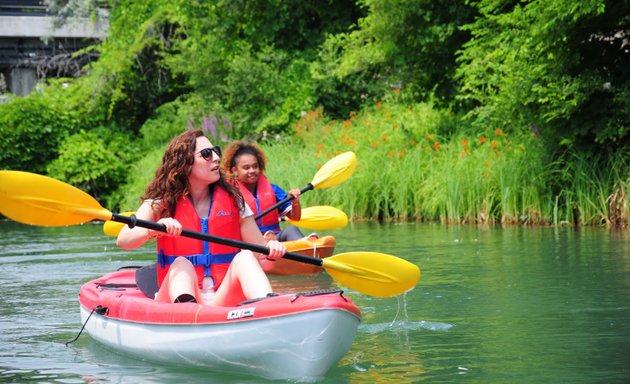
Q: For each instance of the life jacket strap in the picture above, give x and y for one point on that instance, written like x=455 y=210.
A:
x=202 y=260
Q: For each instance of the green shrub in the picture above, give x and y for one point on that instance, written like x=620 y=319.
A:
x=30 y=131
x=94 y=161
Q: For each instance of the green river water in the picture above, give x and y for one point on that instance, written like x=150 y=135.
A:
x=494 y=305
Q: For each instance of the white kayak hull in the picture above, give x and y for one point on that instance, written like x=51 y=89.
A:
x=254 y=338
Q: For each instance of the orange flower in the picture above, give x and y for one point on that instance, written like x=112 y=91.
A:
x=384 y=137
x=498 y=132
x=349 y=141
x=401 y=153
x=494 y=144
x=436 y=145
x=465 y=143
x=390 y=154
x=320 y=148
x=379 y=103
x=482 y=139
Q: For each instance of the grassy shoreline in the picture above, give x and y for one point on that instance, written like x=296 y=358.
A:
x=411 y=168
x=417 y=163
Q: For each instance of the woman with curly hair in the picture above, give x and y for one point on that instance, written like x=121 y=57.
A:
x=245 y=162
x=189 y=191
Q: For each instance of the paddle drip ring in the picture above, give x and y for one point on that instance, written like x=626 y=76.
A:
x=133 y=220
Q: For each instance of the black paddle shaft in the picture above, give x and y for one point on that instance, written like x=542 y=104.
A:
x=279 y=203
x=133 y=221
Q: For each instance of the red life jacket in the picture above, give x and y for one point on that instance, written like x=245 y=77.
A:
x=209 y=259
x=264 y=199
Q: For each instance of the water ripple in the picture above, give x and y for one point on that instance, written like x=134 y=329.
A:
x=404 y=326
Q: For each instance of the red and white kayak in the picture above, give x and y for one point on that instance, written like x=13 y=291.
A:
x=292 y=336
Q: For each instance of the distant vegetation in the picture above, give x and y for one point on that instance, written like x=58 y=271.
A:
x=460 y=112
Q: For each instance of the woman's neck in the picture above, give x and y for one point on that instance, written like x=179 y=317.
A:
x=200 y=198
x=252 y=188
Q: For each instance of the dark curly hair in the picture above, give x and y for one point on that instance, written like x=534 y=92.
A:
x=235 y=150
x=171 y=177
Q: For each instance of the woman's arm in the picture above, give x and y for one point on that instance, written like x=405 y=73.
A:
x=130 y=238
x=251 y=234
x=296 y=210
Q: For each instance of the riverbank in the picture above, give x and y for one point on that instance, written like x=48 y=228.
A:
x=418 y=163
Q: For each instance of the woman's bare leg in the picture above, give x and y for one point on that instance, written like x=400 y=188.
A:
x=245 y=278
x=180 y=280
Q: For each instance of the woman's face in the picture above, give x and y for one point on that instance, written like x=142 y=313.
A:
x=246 y=169
x=205 y=170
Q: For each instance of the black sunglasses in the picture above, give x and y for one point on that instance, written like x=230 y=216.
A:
x=206 y=153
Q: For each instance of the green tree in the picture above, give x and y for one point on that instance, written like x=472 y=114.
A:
x=407 y=45
x=560 y=67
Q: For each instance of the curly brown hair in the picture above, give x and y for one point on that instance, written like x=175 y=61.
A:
x=171 y=177
x=237 y=148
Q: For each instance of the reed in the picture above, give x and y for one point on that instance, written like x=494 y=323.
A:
x=594 y=189
x=413 y=165
x=418 y=163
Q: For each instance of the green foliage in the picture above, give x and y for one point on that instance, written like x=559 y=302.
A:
x=592 y=189
x=408 y=45
x=254 y=87
x=30 y=130
x=408 y=170
x=94 y=161
x=387 y=71
x=559 y=65
x=139 y=174
x=255 y=57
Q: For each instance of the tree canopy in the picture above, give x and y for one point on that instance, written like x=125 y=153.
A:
x=556 y=68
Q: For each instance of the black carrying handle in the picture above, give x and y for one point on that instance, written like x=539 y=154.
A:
x=133 y=221
x=279 y=203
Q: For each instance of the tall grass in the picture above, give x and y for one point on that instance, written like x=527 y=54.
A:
x=593 y=189
x=415 y=164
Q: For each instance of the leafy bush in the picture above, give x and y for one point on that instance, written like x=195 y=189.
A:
x=94 y=161
x=30 y=131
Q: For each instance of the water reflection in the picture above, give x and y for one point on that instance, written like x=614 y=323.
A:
x=517 y=305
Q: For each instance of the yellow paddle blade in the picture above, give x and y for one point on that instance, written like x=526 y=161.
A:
x=321 y=217
x=335 y=171
x=375 y=274
x=113 y=228
x=39 y=200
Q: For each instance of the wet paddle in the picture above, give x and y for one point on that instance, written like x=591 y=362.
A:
x=316 y=218
x=334 y=172
x=39 y=200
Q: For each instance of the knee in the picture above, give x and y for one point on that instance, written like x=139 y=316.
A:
x=244 y=256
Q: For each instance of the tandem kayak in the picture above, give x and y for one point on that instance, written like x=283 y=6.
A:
x=296 y=336
x=321 y=247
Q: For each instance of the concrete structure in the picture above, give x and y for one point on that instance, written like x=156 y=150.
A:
x=32 y=48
